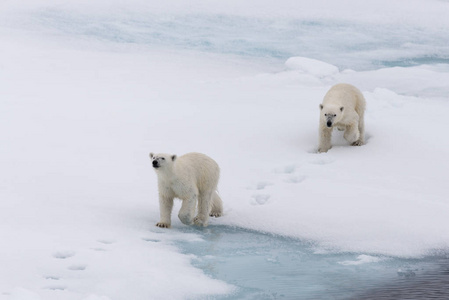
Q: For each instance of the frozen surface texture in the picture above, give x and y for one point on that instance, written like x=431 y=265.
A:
x=87 y=90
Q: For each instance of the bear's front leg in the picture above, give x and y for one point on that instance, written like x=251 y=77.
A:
x=187 y=210
x=165 y=208
x=325 y=139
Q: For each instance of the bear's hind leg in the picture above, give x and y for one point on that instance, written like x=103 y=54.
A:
x=361 y=139
x=217 y=206
x=204 y=207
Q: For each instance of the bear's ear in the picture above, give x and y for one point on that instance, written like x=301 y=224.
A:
x=151 y=154
x=173 y=157
x=341 y=108
x=321 y=106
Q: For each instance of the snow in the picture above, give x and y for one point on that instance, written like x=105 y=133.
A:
x=362 y=259
x=311 y=66
x=80 y=112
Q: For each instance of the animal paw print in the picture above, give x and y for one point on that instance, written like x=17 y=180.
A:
x=322 y=160
x=56 y=287
x=54 y=284
x=77 y=267
x=296 y=179
x=288 y=169
x=63 y=254
x=150 y=240
x=260 y=199
x=106 y=241
x=260 y=185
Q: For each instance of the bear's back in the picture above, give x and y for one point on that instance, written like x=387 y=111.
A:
x=346 y=95
x=198 y=167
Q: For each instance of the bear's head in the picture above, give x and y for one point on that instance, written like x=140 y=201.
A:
x=162 y=160
x=331 y=114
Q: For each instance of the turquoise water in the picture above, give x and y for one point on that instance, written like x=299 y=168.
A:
x=264 y=266
x=346 y=44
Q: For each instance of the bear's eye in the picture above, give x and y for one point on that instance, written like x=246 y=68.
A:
x=335 y=115
x=325 y=115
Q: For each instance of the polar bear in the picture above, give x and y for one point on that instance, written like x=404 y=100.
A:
x=193 y=178
x=343 y=107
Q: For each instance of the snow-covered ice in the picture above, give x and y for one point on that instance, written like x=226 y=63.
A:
x=87 y=90
x=311 y=66
x=362 y=259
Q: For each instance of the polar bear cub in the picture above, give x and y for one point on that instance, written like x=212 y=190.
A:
x=343 y=107
x=193 y=178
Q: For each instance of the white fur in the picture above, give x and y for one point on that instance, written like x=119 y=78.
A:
x=346 y=106
x=193 y=178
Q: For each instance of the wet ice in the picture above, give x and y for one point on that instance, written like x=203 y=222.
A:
x=266 y=266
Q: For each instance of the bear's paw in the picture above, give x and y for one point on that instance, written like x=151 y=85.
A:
x=199 y=221
x=163 y=225
x=215 y=214
x=323 y=150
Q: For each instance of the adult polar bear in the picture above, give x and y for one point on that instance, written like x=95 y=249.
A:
x=343 y=107
x=193 y=178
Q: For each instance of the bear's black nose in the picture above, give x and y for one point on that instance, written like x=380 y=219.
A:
x=154 y=163
x=329 y=124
